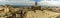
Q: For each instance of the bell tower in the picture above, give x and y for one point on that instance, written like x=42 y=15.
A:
x=35 y=3
x=36 y=7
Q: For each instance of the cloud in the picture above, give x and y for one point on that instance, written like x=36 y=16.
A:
x=17 y=2
x=3 y=2
x=49 y=3
x=23 y=2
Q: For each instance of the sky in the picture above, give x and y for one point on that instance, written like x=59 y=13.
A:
x=18 y=2
x=31 y=2
x=49 y=3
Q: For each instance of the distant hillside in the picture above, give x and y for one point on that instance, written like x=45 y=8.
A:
x=19 y=6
